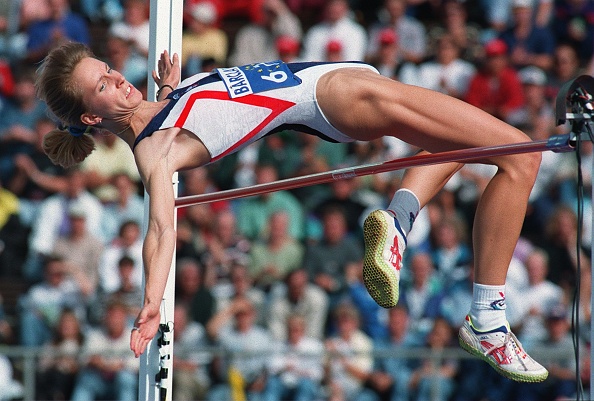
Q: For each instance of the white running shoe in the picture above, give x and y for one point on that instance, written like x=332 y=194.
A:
x=502 y=350
x=384 y=245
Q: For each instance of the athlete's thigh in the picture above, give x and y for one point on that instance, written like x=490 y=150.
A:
x=366 y=106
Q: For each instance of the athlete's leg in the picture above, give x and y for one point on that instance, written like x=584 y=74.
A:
x=365 y=106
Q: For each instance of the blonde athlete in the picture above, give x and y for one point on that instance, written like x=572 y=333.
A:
x=209 y=116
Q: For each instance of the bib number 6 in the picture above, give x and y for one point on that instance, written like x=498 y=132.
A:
x=276 y=77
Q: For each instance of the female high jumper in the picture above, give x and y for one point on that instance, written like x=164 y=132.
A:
x=211 y=115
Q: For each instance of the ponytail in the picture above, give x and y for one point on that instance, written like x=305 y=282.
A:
x=65 y=149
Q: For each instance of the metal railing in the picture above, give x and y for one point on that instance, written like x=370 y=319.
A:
x=25 y=360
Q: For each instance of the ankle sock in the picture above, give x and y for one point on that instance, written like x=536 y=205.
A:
x=487 y=311
x=405 y=207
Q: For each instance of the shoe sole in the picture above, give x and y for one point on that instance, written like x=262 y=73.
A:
x=378 y=276
x=510 y=375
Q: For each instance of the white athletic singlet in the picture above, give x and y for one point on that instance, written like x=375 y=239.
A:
x=203 y=104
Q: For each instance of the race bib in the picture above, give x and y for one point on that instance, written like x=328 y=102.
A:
x=254 y=78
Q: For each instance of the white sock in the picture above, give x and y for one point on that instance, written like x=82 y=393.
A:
x=405 y=206
x=487 y=311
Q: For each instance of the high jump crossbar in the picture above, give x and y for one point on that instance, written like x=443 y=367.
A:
x=557 y=143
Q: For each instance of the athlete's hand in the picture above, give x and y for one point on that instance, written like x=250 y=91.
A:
x=145 y=328
x=168 y=70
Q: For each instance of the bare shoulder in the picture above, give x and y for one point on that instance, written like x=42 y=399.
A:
x=170 y=150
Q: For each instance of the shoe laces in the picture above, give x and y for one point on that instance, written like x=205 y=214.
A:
x=510 y=343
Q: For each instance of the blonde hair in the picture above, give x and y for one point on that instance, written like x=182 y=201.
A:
x=54 y=85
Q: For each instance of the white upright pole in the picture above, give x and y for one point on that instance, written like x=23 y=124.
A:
x=165 y=34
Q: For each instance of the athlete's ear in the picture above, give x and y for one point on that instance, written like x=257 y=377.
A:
x=90 y=119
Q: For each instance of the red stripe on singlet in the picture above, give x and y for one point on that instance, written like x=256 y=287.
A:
x=276 y=107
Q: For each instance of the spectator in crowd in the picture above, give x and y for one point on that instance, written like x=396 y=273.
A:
x=276 y=256
x=347 y=195
x=135 y=25
x=573 y=25
x=234 y=329
x=412 y=35
x=202 y=39
x=18 y=122
x=527 y=43
x=283 y=151
x=447 y=72
x=35 y=177
x=40 y=307
x=190 y=363
x=58 y=366
x=202 y=305
x=539 y=298
x=327 y=259
x=559 y=241
x=391 y=374
x=288 y=49
x=296 y=368
x=22 y=110
x=428 y=375
x=188 y=280
x=420 y=292
x=465 y=34
x=81 y=251
x=334 y=51
x=244 y=10
x=338 y=26
x=225 y=245
x=349 y=360
x=128 y=293
x=108 y=159
x=566 y=66
x=10 y=388
x=253 y=212
x=52 y=220
x=256 y=40
x=373 y=316
x=537 y=117
x=242 y=286
x=127 y=243
x=559 y=343
x=108 y=370
x=120 y=56
x=127 y=205
x=385 y=57
x=451 y=253
x=496 y=86
x=62 y=25
x=13 y=235
x=194 y=225
x=301 y=298
x=6 y=81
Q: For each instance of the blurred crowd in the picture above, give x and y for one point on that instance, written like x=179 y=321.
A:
x=278 y=276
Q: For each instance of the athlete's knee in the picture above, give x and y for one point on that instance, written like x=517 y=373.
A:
x=524 y=167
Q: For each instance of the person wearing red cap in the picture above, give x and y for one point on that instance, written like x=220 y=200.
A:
x=338 y=26
x=255 y=41
x=496 y=87
x=288 y=48
x=385 y=58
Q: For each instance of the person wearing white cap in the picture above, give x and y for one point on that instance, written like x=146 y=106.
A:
x=202 y=39
x=528 y=44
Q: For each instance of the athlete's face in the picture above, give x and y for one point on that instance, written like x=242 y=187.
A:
x=106 y=93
